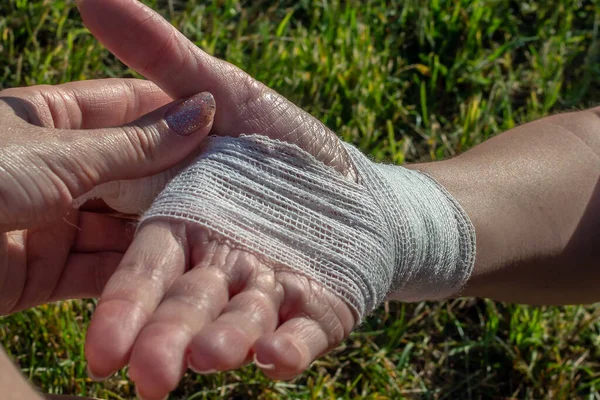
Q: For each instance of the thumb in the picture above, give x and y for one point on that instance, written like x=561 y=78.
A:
x=144 y=147
x=153 y=143
x=58 y=166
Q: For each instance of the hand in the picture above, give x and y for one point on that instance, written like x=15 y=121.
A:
x=55 y=147
x=181 y=296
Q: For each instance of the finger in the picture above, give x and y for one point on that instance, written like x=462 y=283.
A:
x=47 y=249
x=146 y=42
x=100 y=232
x=12 y=248
x=68 y=273
x=316 y=321
x=89 y=104
x=83 y=276
x=226 y=343
x=145 y=147
x=193 y=301
x=142 y=39
x=152 y=263
x=290 y=350
x=158 y=359
x=69 y=163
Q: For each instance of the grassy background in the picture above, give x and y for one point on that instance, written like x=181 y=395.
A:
x=406 y=80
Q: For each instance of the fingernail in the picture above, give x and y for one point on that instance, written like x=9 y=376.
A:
x=192 y=114
x=263 y=366
x=205 y=372
x=139 y=396
x=95 y=377
x=199 y=371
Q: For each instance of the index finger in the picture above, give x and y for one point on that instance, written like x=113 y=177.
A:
x=147 y=43
x=89 y=104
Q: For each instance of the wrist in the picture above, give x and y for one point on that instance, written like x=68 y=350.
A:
x=434 y=239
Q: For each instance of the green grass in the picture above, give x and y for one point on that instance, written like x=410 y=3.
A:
x=406 y=80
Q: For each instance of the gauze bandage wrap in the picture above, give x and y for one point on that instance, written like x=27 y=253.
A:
x=395 y=233
x=131 y=196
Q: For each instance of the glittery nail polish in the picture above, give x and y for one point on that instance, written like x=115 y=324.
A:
x=192 y=114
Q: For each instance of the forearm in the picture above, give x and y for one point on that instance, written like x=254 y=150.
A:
x=12 y=384
x=532 y=194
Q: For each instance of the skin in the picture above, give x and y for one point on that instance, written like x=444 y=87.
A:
x=179 y=295
x=48 y=250
x=533 y=195
x=194 y=306
x=525 y=191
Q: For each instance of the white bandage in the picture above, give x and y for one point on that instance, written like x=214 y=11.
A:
x=130 y=196
x=395 y=233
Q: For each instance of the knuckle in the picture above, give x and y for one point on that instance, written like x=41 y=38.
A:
x=24 y=190
x=258 y=306
x=330 y=321
x=141 y=142
x=248 y=92
x=28 y=104
x=334 y=329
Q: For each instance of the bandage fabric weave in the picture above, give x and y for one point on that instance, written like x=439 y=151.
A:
x=395 y=233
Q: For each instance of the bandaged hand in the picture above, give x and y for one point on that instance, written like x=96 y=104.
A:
x=395 y=233
x=267 y=248
x=280 y=256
